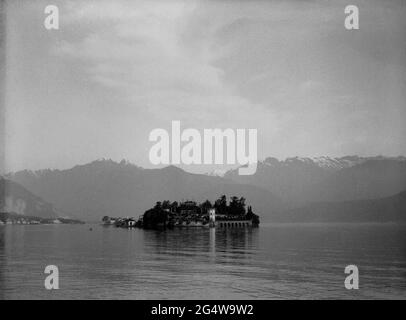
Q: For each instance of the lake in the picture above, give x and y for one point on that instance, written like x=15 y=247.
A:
x=274 y=261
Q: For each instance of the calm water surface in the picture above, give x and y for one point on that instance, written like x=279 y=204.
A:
x=271 y=262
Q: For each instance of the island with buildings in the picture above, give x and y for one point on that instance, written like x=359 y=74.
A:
x=168 y=214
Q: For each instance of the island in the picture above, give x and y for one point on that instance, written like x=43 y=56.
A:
x=168 y=214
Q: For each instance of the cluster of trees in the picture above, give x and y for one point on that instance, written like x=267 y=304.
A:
x=236 y=206
x=155 y=216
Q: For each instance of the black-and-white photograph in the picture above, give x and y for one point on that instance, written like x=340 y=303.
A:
x=202 y=150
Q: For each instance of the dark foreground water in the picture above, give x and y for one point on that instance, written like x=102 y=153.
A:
x=271 y=262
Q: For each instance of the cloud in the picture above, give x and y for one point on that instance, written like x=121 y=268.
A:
x=139 y=51
x=118 y=69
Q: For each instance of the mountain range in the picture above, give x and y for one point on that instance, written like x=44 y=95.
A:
x=105 y=187
x=303 y=180
x=292 y=189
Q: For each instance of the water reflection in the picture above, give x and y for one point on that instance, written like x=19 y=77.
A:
x=212 y=237
x=3 y=261
x=237 y=243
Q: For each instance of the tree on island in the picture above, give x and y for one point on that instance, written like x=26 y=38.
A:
x=252 y=216
x=237 y=206
x=205 y=206
x=166 y=204
x=155 y=216
x=174 y=206
x=221 y=205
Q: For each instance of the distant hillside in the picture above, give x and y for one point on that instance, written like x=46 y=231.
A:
x=286 y=179
x=389 y=209
x=109 y=188
x=304 y=180
x=16 y=199
x=369 y=180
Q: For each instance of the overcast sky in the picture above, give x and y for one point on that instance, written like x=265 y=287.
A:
x=115 y=70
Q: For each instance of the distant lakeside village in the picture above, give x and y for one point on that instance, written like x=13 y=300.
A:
x=168 y=214
x=7 y=218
